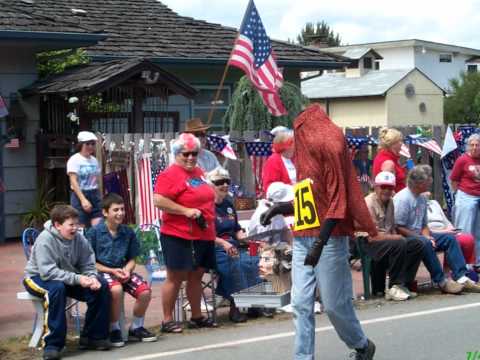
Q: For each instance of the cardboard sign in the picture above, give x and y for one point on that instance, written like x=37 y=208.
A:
x=306 y=216
x=120 y=159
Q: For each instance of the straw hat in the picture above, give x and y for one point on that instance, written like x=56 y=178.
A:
x=195 y=125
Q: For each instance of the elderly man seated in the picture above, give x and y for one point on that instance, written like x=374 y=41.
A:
x=411 y=220
x=403 y=255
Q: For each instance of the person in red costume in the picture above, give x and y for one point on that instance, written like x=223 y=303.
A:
x=387 y=159
x=320 y=253
x=279 y=166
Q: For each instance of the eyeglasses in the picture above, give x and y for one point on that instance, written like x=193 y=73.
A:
x=187 y=154
x=221 y=182
x=90 y=143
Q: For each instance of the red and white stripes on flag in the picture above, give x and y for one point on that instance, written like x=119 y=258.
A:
x=253 y=54
x=257 y=167
x=147 y=212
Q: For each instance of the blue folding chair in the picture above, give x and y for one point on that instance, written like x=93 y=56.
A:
x=29 y=236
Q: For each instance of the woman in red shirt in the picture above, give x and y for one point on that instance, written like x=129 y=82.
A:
x=187 y=231
x=279 y=166
x=387 y=159
x=465 y=179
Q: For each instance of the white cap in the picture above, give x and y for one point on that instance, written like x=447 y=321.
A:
x=278 y=129
x=280 y=192
x=84 y=136
x=385 y=178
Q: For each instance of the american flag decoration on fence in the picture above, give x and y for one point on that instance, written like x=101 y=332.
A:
x=462 y=134
x=427 y=143
x=253 y=54
x=258 y=152
x=147 y=212
x=450 y=153
x=222 y=145
x=355 y=142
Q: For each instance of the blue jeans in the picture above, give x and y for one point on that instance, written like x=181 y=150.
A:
x=467 y=217
x=449 y=244
x=332 y=275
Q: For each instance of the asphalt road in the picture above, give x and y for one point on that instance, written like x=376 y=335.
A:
x=441 y=327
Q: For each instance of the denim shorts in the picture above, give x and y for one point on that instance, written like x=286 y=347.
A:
x=187 y=255
x=95 y=199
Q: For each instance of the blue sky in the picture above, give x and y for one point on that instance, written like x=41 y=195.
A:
x=454 y=22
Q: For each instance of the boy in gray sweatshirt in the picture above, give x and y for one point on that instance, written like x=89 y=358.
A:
x=61 y=265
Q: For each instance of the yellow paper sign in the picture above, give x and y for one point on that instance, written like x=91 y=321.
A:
x=306 y=216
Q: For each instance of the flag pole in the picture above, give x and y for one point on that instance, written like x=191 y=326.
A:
x=217 y=94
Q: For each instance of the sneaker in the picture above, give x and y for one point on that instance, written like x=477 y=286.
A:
x=471 y=286
x=141 y=334
x=366 y=353
x=51 y=354
x=90 y=344
x=451 y=287
x=396 y=293
x=411 y=294
x=236 y=316
x=116 y=338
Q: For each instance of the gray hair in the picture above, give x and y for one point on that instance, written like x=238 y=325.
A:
x=185 y=141
x=419 y=174
x=218 y=173
x=471 y=138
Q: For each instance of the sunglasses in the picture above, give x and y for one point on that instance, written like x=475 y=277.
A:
x=221 y=182
x=187 y=154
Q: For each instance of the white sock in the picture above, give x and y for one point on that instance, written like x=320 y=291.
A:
x=137 y=322
x=463 y=280
x=115 y=326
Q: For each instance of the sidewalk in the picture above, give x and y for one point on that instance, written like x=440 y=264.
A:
x=16 y=316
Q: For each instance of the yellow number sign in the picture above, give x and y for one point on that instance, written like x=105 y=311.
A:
x=306 y=216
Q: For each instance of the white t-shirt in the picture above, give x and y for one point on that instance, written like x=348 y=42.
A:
x=292 y=172
x=87 y=171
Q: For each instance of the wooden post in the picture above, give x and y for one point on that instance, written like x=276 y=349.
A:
x=138 y=122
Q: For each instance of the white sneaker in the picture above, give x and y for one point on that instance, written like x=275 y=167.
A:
x=396 y=293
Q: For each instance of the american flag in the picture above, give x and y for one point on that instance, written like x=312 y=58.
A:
x=221 y=145
x=258 y=152
x=147 y=212
x=253 y=54
x=3 y=108
x=462 y=134
x=450 y=153
x=13 y=144
x=355 y=142
x=427 y=143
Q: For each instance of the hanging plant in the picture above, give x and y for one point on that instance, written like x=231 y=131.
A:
x=247 y=111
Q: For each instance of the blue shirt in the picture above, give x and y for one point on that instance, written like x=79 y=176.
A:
x=226 y=221
x=410 y=210
x=112 y=251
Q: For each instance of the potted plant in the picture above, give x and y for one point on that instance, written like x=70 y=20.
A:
x=39 y=213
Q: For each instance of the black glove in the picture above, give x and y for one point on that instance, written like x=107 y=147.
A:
x=281 y=208
x=201 y=222
x=316 y=250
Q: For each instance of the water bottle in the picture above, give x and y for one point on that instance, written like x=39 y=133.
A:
x=153 y=261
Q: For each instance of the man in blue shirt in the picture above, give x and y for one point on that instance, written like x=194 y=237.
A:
x=116 y=246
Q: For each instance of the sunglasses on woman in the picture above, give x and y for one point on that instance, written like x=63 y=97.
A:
x=189 y=153
x=221 y=182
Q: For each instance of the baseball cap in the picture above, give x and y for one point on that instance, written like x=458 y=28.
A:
x=84 y=136
x=280 y=192
x=385 y=178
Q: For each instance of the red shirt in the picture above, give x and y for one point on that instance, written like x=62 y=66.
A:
x=400 y=172
x=466 y=172
x=189 y=189
x=321 y=154
x=274 y=170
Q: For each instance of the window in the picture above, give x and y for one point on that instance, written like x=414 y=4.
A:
x=367 y=63
x=446 y=58
x=353 y=64
x=377 y=65
x=472 y=68
x=202 y=105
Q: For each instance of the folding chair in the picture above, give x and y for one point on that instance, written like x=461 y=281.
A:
x=29 y=236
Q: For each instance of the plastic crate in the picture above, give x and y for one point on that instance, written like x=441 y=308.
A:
x=261 y=295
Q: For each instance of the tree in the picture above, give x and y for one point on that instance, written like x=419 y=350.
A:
x=463 y=105
x=55 y=62
x=248 y=112
x=321 y=30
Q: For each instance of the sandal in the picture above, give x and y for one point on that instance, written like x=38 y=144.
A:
x=171 y=327
x=202 y=322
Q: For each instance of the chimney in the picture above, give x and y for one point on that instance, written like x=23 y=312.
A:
x=319 y=41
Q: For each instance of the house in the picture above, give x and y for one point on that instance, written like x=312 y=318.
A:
x=392 y=98
x=440 y=62
x=135 y=40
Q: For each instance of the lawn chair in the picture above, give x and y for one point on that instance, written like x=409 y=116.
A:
x=366 y=261
x=28 y=239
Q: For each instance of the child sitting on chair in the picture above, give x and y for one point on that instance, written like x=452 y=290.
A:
x=62 y=264
x=116 y=246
